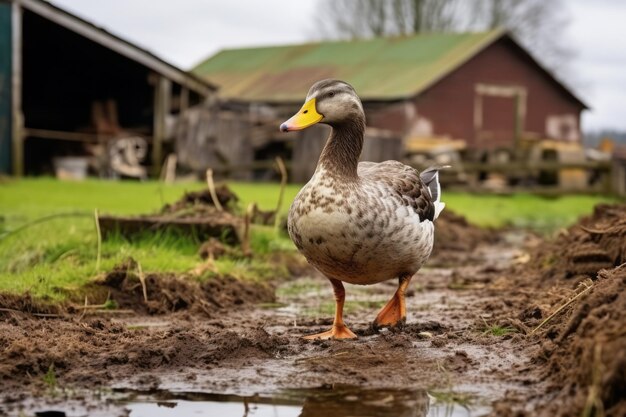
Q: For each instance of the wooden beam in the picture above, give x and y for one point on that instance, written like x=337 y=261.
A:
x=162 y=97
x=74 y=136
x=114 y=43
x=17 y=117
x=184 y=99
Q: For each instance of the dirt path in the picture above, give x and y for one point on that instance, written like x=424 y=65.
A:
x=467 y=342
x=445 y=346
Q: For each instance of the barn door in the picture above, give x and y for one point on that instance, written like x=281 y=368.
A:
x=499 y=115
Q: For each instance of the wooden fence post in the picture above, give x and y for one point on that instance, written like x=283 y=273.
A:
x=162 y=93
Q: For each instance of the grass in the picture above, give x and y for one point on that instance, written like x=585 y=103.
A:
x=542 y=214
x=499 y=331
x=53 y=258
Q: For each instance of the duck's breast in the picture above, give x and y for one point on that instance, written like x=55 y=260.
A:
x=360 y=235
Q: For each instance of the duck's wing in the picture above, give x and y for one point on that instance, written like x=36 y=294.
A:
x=404 y=182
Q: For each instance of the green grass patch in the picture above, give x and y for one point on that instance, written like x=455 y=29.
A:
x=54 y=258
x=542 y=214
x=499 y=331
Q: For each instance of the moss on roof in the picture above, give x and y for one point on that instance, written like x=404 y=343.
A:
x=379 y=69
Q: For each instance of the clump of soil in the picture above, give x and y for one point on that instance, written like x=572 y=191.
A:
x=455 y=235
x=202 y=200
x=195 y=214
x=96 y=351
x=595 y=243
x=167 y=292
x=10 y=303
x=586 y=358
x=581 y=351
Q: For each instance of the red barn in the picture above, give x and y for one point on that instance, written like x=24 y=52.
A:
x=482 y=88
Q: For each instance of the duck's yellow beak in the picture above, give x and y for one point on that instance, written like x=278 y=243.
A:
x=306 y=116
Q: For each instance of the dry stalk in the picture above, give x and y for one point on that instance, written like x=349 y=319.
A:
x=283 y=183
x=588 y=288
x=211 y=184
x=320 y=357
x=142 y=280
x=82 y=314
x=12 y=310
x=99 y=235
x=247 y=219
x=594 y=405
x=170 y=168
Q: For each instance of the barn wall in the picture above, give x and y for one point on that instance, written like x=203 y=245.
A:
x=5 y=87
x=449 y=104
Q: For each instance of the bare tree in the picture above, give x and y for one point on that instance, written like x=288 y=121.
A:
x=355 y=19
x=537 y=24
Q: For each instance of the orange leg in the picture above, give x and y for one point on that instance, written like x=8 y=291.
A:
x=339 y=330
x=394 y=313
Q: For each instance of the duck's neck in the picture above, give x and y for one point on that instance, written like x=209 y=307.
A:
x=341 y=153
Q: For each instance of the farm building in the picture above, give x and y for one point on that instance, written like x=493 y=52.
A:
x=475 y=91
x=71 y=89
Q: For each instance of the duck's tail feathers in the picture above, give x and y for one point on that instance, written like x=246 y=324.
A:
x=430 y=177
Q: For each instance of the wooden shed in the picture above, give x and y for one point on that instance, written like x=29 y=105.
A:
x=484 y=89
x=66 y=83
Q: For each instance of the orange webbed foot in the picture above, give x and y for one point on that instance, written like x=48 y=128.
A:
x=337 y=332
x=392 y=315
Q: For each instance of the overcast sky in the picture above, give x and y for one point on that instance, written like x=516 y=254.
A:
x=187 y=31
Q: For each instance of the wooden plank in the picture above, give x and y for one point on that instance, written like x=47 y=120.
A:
x=116 y=44
x=184 y=99
x=17 y=118
x=73 y=136
x=525 y=166
x=162 y=96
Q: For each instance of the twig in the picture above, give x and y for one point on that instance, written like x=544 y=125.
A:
x=558 y=310
x=12 y=310
x=594 y=405
x=82 y=314
x=142 y=280
x=211 y=184
x=99 y=235
x=104 y=311
x=321 y=357
x=283 y=184
x=247 y=219
x=42 y=220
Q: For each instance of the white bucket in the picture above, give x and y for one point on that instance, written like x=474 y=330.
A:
x=71 y=167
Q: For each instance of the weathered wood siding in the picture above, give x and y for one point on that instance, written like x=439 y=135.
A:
x=207 y=138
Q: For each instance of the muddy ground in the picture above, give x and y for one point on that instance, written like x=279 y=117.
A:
x=479 y=332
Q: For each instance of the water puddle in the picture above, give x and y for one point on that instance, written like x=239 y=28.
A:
x=322 y=402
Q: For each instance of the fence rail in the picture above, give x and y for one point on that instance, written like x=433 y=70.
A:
x=610 y=175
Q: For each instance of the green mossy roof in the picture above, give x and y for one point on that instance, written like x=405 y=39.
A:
x=379 y=69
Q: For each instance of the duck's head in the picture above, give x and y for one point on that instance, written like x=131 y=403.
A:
x=332 y=102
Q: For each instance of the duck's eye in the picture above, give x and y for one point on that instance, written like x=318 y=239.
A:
x=331 y=94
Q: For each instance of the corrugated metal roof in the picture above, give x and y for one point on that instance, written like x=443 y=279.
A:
x=379 y=69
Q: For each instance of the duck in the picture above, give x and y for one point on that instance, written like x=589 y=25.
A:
x=360 y=222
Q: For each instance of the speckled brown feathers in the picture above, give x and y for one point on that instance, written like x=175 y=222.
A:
x=404 y=181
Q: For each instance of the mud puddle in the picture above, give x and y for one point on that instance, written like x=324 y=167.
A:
x=326 y=401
